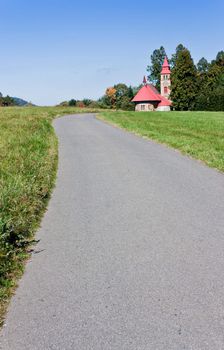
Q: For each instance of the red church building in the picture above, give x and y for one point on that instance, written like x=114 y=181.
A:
x=149 y=99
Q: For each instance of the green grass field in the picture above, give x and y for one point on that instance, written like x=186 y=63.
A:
x=197 y=134
x=28 y=158
x=28 y=155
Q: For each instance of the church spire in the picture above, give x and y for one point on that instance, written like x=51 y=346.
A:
x=165 y=67
x=165 y=83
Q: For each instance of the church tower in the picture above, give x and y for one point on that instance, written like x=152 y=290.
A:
x=165 y=82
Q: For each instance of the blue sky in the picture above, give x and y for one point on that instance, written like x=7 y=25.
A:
x=54 y=50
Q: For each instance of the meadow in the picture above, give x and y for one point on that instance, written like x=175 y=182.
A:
x=29 y=155
x=197 y=134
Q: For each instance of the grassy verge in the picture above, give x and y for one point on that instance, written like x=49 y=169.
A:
x=198 y=134
x=28 y=163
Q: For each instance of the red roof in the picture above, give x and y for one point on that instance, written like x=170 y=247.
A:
x=147 y=93
x=164 y=102
x=166 y=67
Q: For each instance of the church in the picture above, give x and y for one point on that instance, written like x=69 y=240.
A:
x=149 y=99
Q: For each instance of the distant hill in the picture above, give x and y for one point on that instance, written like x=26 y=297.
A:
x=20 y=101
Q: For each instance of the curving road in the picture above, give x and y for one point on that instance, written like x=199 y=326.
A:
x=131 y=252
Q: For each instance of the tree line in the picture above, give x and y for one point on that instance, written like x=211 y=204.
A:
x=6 y=101
x=118 y=96
x=193 y=86
x=86 y=102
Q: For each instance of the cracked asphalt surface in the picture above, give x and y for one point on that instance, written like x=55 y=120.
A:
x=131 y=251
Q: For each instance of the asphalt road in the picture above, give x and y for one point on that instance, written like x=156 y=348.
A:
x=131 y=252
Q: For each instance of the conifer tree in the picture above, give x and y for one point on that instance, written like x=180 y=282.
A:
x=157 y=59
x=202 y=65
x=219 y=59
x=179 y=48
x=211 y=86
x=184 y=82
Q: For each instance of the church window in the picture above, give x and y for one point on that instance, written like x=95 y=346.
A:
x=142 y=107
x=165 y=89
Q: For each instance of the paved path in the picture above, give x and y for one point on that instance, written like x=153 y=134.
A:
x=131 y=255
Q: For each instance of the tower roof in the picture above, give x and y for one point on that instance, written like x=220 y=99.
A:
x=165 y=67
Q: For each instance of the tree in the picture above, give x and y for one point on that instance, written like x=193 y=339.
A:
x=72 y=102
x=213 y=77
x=211 y=101
x=7 y=101
x=130 y=92
x=122 y=92
x=126 y=104
x=203 y=65
x=211 y=83
x=110 y=97
x=63 y=104
x=119 y=96
x=95 y=104
x=203 y=68
x=86 y=101
x=220 y=59
x=80 y=104
x=157 y=59
x=179 y=48
x=184 y=82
